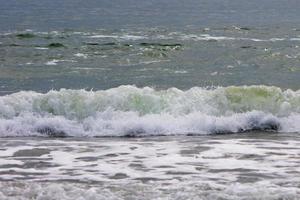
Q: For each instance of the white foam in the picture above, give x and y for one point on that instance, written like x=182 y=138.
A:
x=81 y=55
x=128 y=110
x=180 y=72
x=226 y=167
x=52 y=62
x=41 y=48
x=116 y=123
x=104 y=36
x=122 y=37
x=205 y=37
x=55 y=61
x=208 y=37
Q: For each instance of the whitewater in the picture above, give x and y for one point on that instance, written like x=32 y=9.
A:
x=132 y=111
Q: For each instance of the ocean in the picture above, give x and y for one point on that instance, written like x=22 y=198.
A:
x=158 y=99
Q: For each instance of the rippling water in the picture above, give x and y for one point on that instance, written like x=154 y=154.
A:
x=155 y=99
x=157 y=57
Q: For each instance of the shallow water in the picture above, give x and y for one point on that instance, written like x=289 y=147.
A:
x=239 y=166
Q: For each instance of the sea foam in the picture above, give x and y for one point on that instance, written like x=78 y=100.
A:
x=132 y=111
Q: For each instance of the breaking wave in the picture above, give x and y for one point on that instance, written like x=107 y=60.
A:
x=132 y=111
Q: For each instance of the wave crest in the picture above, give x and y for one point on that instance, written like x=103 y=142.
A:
x=132 y=111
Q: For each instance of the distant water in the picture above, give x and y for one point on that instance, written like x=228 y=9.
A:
x=178 y=76
x=162 y=44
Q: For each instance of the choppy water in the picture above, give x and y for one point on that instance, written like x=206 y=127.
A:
x=177 y=76
x=157 y=57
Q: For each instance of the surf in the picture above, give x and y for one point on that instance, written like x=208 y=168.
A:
x=131 y=111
